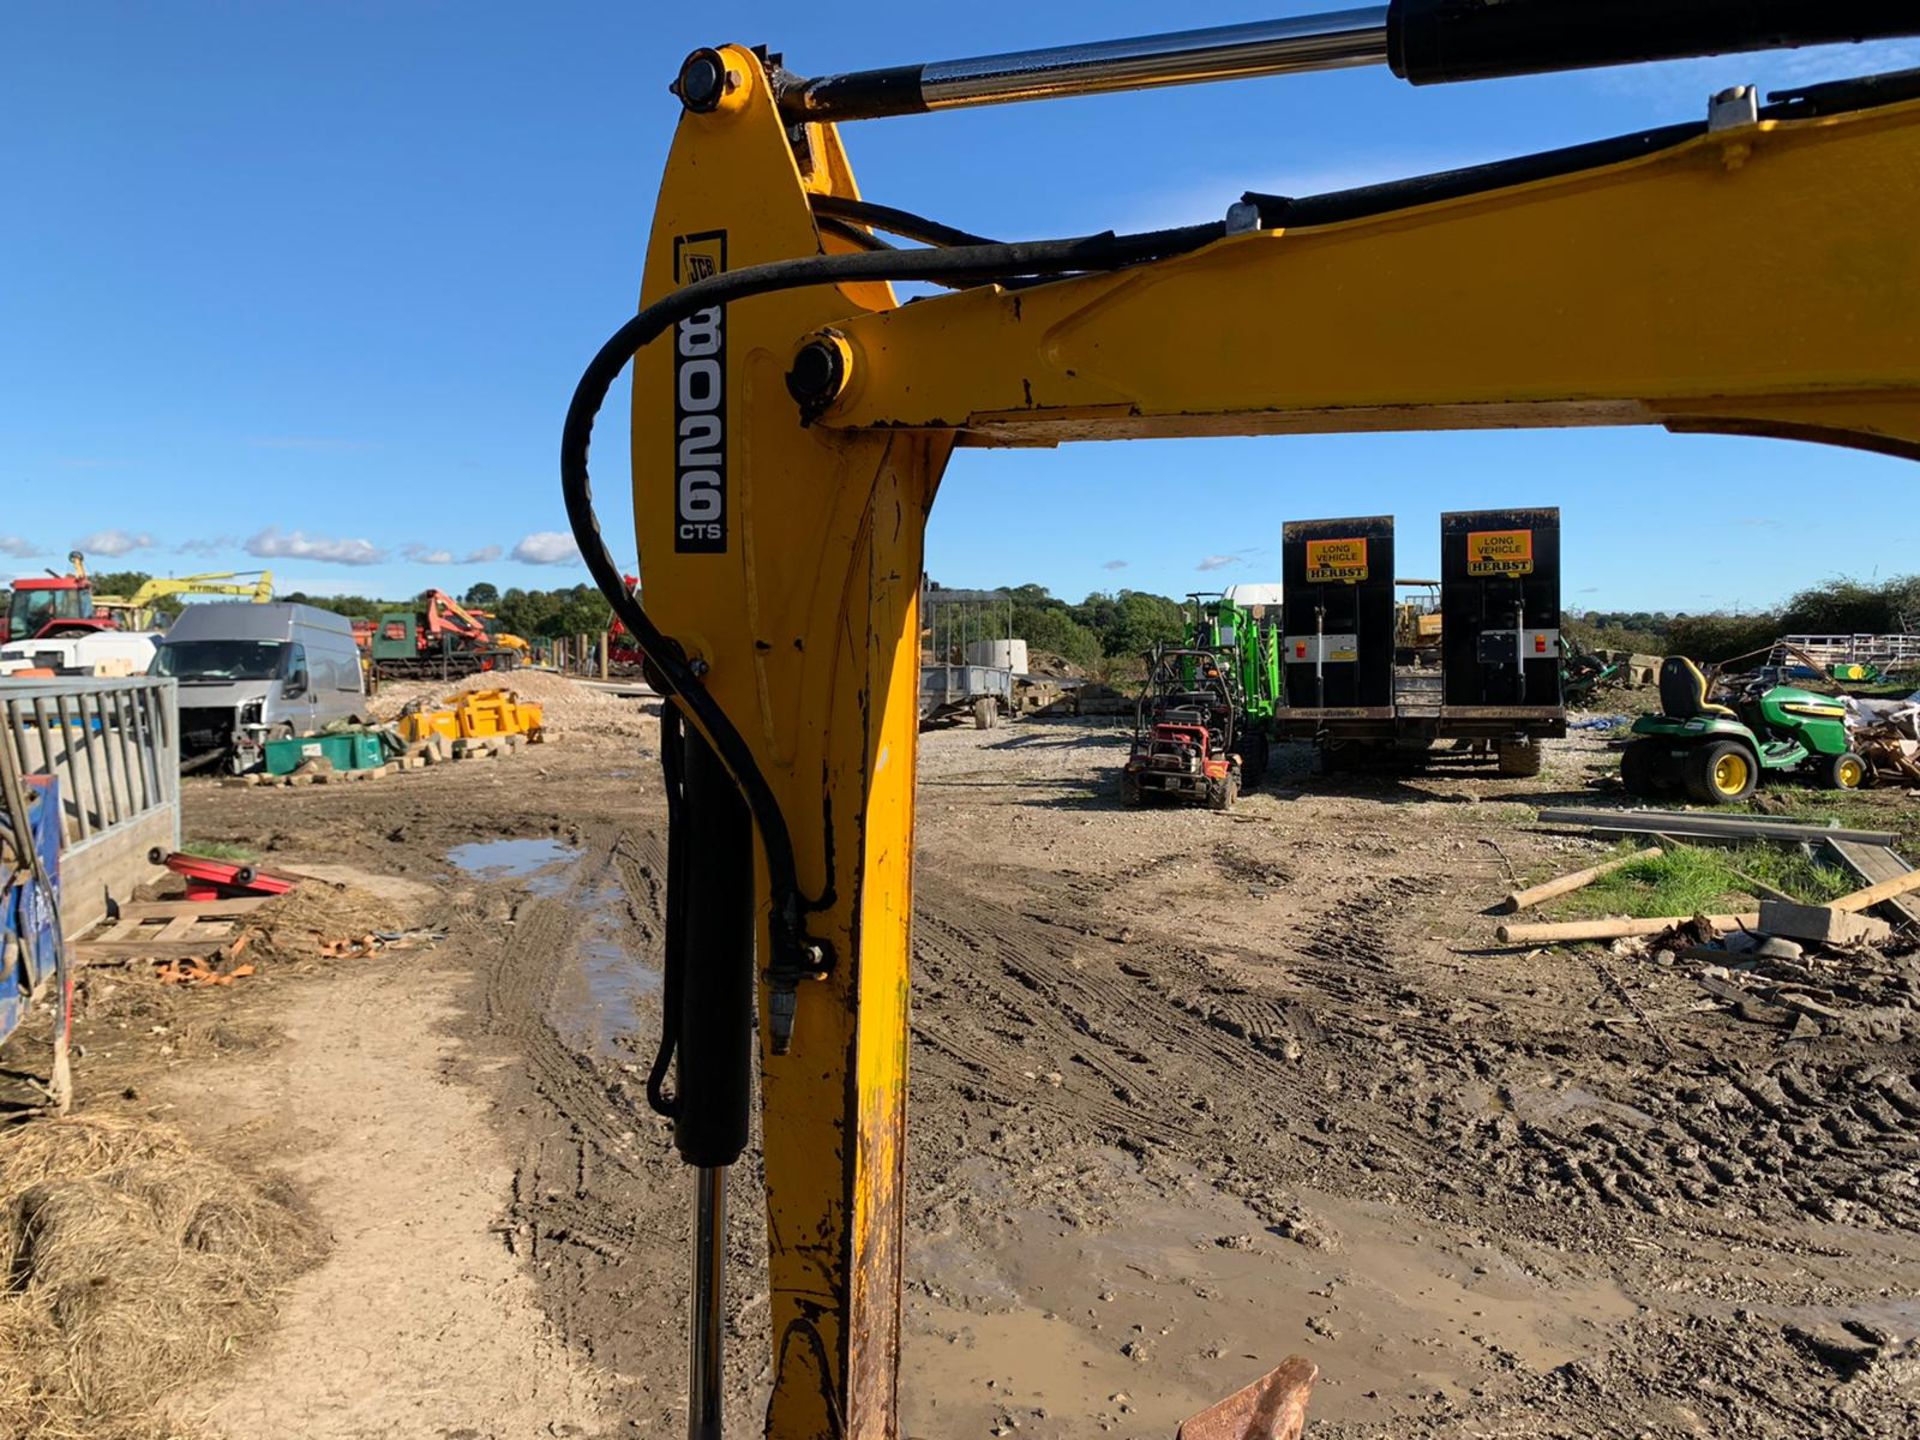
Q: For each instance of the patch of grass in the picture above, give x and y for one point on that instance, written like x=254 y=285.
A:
x=219 y=850
x=1685 y=880
x=1787 y=868
x=1698 y=879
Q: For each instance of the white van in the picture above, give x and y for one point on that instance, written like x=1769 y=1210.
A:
x=251 y=673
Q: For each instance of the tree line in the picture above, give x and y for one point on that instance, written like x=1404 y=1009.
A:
x=1110 y=631
x=1837 y=607
x=1104 y=632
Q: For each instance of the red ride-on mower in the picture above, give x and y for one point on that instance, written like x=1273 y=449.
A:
x=1186 y=732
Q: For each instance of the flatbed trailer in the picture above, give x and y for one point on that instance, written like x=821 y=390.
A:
x=951 y=693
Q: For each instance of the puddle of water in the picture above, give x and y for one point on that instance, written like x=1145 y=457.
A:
x=611 y=995
x=606 y=994
x=540 y=862
x=1393 y=1310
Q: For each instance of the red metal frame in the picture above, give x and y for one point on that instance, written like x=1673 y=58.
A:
x=217 y=880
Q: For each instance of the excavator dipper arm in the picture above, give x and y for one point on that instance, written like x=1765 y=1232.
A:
x=791 y=421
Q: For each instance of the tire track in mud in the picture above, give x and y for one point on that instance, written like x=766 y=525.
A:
x=1835 y=1143
x=1151 y=1043
x=571 y=1177
x=1344 y=1072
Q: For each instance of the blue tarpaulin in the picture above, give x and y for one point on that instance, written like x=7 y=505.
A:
x=29 y=933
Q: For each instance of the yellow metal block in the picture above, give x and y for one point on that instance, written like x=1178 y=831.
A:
x=484 y=714
x=425 y=724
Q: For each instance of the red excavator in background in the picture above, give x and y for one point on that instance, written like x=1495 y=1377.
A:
x=624 y=655
x=441 y=638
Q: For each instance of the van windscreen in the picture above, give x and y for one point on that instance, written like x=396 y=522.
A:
x=220 y=659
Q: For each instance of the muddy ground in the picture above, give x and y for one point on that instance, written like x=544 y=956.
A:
x=1191 y=1092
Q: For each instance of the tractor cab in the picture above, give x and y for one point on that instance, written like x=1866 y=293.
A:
x=45 y=609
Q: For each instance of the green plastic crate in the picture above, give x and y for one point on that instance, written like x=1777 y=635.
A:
x=351 y=751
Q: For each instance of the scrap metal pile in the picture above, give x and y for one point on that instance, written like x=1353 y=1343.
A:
x=1886 y=734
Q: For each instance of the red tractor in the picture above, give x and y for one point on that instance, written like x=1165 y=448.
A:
x=1187 y=731
x=58 y=605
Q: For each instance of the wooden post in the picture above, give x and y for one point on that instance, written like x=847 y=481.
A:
x=1567 y=884
x=1612 y=929
x=606 y=660
x=1874 y=894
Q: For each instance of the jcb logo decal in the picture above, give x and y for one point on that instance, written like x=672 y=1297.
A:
x=1500 y=552
x=700 y=404
x=1336 y=562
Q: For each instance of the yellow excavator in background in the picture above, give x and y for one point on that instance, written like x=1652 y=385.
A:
x=1753 y=271
x=137 y=612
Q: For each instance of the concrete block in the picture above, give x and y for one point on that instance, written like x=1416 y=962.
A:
x=1821 y=924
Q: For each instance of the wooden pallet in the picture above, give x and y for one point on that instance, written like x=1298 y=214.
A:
x=164 y=928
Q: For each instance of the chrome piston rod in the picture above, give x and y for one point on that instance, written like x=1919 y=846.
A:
x=1267 y=47
x=706 y=1377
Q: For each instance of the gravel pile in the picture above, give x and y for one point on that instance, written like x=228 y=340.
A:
x=571 y=708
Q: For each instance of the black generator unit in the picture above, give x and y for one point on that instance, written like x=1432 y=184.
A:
x=1500 y=588
x=1337 y=614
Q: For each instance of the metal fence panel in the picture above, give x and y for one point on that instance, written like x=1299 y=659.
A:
x=114 y=745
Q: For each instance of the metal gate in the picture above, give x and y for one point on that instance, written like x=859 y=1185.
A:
x=114 y=746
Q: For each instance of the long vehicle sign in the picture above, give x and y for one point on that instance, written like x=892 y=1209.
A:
x=1337 y=562
x=1500 y=552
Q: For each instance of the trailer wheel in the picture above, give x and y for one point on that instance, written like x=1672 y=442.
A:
x=1222 y=793
x=1130 y=793
x=985 y=714
x=1255 y=754
x=1518 y=759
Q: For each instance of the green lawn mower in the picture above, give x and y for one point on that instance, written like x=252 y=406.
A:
x=1717 y=753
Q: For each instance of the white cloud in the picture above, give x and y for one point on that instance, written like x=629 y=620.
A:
x=113 y=542
x=18 y=548
x=212 y=545
x=274 y=544
x=547 y=547
x=1217 y=562
x=1114 y=565
x=430 y=555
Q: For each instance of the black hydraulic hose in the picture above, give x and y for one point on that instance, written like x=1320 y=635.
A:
x=894 y=221
x=795 y=954
x=847 y=230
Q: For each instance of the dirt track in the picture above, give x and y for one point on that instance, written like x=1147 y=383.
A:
x=1191 y=1092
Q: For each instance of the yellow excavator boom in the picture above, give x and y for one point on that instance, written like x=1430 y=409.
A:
x=1754 y=272
x=136 y=612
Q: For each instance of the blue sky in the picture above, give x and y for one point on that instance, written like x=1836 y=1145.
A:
x=308 y=286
